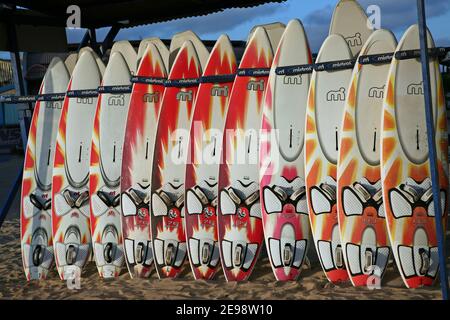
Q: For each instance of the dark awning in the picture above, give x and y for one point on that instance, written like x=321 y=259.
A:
x=103 y=13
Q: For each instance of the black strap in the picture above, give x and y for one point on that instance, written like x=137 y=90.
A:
x=439 y=52
x=382 y=58
x=88 y=93
x=335 y=65
x=51 y=97
x=18 y=99
x=294 y=70
x=114 y=89
x=220 y=78
x=148 y=80
x=39 y=97
x=182 y=83
x=253 y=72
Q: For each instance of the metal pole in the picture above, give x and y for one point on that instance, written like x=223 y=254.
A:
x=85 y=40
x=94 y=44
x=107 y=42
x=24 y=113
x=432 y=147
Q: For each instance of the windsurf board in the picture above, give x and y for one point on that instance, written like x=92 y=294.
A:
x=106 y=160
x=35 y=204
x=405 y=167
x=282 y=171
x=204 y=153
x=362 y=224
x=70 y=182
x=137 y=159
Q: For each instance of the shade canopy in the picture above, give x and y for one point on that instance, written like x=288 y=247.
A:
x=103 y=13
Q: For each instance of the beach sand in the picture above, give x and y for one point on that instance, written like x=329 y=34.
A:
x=312 y=283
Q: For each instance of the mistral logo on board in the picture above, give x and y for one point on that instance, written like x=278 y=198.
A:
x=415 y=89
x=293 y=80
x=116 y=100
x=185 y=96
x=151 y=97
x=218 y=91
x=336 y=95
x=376 y=92
x=74 y=18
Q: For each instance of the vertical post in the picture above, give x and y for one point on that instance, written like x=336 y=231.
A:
x=24 y=113
x=94 y=43
x=24 y=109
x=84 y=40
x=432 y=147
x=112 y=33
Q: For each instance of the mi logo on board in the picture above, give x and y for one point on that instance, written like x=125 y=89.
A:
x=185 y=96
x=354 y=41
x=218 y=91
x=377 y=93
x=53 y=105
x=151 y=97
x=336 y=95
x=293 y=80
x=255 y=85
x=117 y=100
x=415 y=89
x=85 y=100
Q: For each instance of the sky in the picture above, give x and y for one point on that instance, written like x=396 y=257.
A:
x=396 y=15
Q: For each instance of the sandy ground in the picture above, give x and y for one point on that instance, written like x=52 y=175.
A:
x=311 y=285
x=262 y=285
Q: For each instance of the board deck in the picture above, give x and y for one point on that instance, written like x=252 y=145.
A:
x=361 y=216
x=169 y=163
x=274 y=31
x=281 y=162
x=326 y=102
x=406 y=179
x=162 y=49
x=71 y=61
x=355 y=33
x=140 y=134
x=70 y=189
x=35 y=214
x=106 y=161
x=177 y=42
x=239 y=212
x=204 y=158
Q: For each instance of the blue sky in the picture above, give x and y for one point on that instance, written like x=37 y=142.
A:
x=397 y=15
